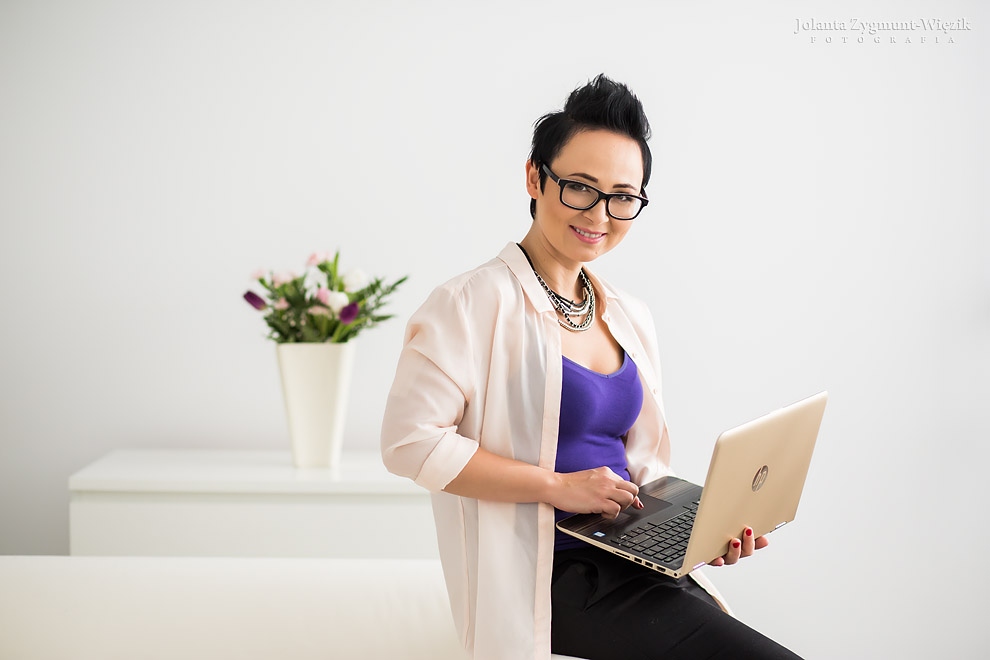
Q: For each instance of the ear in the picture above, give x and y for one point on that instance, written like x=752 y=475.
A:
x=532 y=180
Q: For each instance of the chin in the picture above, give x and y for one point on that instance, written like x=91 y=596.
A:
x=595 y=248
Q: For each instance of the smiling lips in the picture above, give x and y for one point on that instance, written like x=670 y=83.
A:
x=588 y=236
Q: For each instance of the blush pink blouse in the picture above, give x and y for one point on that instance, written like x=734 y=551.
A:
x=481 y=366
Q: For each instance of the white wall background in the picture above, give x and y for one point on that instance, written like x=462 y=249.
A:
x=818 y=222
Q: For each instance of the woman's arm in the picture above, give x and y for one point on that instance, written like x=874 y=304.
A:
x=432 y=386
x=488 y=476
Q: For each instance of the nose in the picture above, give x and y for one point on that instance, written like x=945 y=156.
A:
x=597 y=213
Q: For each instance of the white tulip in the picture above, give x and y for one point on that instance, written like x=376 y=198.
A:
x=356 y=279
x=336 y=301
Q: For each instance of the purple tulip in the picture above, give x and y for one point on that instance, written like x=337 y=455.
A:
x=349 y=313
x=256 y=301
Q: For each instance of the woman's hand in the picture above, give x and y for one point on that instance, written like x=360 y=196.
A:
x=743 y=548
x=594 y=491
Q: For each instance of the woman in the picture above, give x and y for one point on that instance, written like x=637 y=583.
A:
x=529 y=388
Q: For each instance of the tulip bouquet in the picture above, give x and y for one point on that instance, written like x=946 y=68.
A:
x=320 y=305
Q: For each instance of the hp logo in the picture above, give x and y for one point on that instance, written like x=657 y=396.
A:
x=760 y=478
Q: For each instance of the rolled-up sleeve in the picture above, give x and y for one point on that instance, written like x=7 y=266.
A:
x=433 y=385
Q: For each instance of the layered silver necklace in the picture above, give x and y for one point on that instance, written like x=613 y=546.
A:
x=566 y=306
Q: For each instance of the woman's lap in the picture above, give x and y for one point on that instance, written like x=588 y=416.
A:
x=605 y=607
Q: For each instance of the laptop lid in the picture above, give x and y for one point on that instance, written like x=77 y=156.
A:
x=756 y=477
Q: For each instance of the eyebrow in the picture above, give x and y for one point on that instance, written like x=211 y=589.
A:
x=594 y=180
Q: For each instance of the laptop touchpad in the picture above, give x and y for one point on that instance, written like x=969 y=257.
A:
x=651 y=504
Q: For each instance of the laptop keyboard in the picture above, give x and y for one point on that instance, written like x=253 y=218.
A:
x=665 y=542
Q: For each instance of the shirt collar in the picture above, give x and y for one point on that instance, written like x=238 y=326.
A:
x=518 y=264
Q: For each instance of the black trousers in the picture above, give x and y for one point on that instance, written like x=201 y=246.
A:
x=607 y=608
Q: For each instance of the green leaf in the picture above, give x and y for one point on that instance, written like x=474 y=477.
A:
x=332 y=281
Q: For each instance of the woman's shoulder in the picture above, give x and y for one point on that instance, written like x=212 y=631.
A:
x=491 y=284
x=492 y=273
x=479 y=292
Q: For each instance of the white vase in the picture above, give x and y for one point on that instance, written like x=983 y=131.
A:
x=315 y=383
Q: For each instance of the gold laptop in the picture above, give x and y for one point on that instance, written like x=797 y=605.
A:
x=755 y=479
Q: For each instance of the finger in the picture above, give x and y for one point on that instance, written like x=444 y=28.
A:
x=735 y=548
x=718 y=561
x=623 y=498
x=761 y=542
x=611 y=510
x=635 y=503
x=747 y=542
x=627 y=486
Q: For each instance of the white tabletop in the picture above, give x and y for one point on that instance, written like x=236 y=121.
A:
x=235 y=471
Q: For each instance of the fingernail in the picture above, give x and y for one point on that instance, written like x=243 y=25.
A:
x=749 y=531
x=735 y=544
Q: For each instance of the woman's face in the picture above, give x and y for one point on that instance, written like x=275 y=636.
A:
x=610 y=162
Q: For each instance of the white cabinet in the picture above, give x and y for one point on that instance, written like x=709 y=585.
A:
x=246 y=504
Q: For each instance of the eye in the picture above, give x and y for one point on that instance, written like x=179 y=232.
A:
x=624 y=199
x=578 y=187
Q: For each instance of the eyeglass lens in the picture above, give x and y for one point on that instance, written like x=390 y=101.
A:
x=581 y=197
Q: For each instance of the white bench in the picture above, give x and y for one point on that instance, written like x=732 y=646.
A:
x=105 y=608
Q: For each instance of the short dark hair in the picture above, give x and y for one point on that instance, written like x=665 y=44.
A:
x=602 y=103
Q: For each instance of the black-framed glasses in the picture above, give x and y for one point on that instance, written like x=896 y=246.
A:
x=581 y=197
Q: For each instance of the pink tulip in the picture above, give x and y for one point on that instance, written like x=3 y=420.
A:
x=255 y=300
x=318 y=258
x=316 y=310
x=349 y=313
x=259 y=274
x=323 y=295
x=281 y=304
x=282 y=277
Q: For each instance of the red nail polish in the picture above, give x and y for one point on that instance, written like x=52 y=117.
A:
x=735 y=544
x=749 y=531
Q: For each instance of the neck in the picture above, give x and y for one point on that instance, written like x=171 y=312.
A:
x=560 y=274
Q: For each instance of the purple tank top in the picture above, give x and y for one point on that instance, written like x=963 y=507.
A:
x=595 y=410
